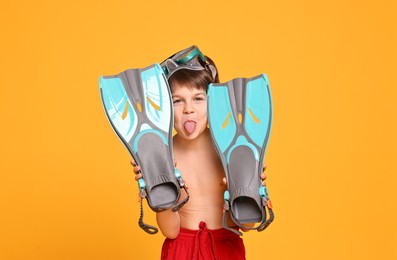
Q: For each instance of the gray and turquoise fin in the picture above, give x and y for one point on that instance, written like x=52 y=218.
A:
x=240 y=119
x=138 y=105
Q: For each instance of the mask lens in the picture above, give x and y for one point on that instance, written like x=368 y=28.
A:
x=185 y=59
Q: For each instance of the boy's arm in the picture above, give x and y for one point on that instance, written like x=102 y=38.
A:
x=169 y=223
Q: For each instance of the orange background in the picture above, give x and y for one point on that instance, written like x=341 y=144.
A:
x=67 y=189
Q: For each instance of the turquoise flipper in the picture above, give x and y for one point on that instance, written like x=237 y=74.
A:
x=221 y=119
x=259 y=108
x=118 y=107
x=240 y=118
x=138 y=105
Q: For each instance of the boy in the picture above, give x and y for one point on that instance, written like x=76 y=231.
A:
x=196 y=231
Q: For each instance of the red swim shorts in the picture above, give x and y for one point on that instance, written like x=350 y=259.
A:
x=204 y=244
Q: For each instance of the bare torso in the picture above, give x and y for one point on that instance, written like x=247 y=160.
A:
x=203 y=173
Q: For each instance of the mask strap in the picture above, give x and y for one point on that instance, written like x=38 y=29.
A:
x=212 y=70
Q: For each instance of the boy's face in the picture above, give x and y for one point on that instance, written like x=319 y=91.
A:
x=190 y=111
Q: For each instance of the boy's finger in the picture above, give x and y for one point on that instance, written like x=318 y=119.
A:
x=137 y=169
x=133 y=162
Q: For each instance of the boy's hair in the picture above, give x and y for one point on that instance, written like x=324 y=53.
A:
x=199 y=79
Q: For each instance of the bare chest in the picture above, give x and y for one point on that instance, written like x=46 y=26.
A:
x=204 y=178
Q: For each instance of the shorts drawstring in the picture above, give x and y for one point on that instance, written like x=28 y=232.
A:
x=203 y=231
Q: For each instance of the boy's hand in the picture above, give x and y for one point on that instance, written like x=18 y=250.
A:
x=137 y=170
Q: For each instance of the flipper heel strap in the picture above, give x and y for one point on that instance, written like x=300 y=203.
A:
x=147 y=228
x=226 y=208
x=266 y=223
x=267 y=205
x=182 y=185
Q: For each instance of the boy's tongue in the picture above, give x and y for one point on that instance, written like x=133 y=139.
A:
x=190 y=126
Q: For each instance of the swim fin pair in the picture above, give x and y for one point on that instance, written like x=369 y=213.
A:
x=138 y=105
x=240 y=119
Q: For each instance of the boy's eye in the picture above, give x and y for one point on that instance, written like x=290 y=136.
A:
x=175 y=101
x=199 y=98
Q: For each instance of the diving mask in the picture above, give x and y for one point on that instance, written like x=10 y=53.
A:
x=191 y=58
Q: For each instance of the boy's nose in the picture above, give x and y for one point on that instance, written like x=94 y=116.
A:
x=188 y=108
